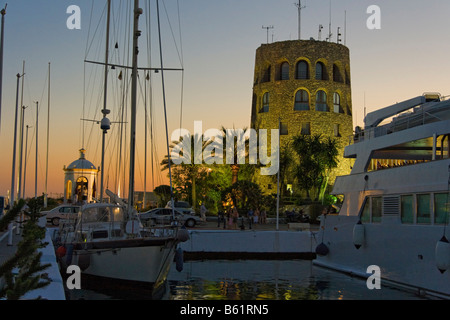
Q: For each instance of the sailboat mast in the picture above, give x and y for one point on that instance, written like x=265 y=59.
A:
x=105 y=111
x=136 y=34
x=2 y=12
x=36 y=159
x=48 y=139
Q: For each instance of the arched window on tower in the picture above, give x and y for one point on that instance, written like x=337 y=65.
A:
x=302 y=70
x=265 y=103
x=337 y=75
x=69 y=191
x=337 y=103
x=301 y=100
x=284 y=71
x=321 y=101
x=321 y=72
x=267 y=73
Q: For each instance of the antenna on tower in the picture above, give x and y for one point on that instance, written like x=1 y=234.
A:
x=345 y=27
x=267 y=28
x=329 y=27
x=320 y=32
x=300 y=7
x=339 y=35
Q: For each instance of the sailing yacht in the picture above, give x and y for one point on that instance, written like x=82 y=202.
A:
x=394 y=206
x=107 y=240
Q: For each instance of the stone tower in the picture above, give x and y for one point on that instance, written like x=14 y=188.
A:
x=306 y=85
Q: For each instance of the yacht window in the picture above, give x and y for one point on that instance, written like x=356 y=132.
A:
x=365 y=215
x=407 y=213
x=376 y=209
x=103 y=214
x=441 y=208
x=423 y=208
x=118 y=214
x=99 y=234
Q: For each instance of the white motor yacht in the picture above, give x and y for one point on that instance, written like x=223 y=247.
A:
x=394 y=206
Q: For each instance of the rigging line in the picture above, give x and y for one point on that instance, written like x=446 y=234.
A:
x=171 y=31
x=100 y=22
x=182 y=66
x=89 y=29
x=164 y=101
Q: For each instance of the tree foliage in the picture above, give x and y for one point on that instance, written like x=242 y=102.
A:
x=27 y=259
x=317 y=157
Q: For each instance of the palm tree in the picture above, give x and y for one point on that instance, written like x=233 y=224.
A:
x=329 y=158
x=240 y=139
x=285 y=167
x=316 y=160
x=190 y=169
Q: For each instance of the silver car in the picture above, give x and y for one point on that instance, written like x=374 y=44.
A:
x=181 y=206
x=61 y=212
x=164 y=216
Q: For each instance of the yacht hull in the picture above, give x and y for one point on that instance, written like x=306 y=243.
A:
x=404 y=253
x=145 y=261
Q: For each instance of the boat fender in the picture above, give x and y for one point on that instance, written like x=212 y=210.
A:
x=442 y=253
x=133 y=227
x=183 y=234
x=84 y=260
x=69 y=254
x=358 y=235
x=61 y=252
x=322 y=249
x=179 y=259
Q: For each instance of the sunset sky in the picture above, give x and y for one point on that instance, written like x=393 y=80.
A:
x=405 y=58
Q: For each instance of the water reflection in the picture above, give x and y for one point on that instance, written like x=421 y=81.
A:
x=270 y=280
x=250 y=280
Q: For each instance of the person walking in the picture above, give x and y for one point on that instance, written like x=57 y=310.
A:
x=203 y=211
x=250 y=214
x=256 y=216
x=220 y=218
x=263 y=216
x=235 y=217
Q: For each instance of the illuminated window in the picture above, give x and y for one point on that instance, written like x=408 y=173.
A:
x=302 y=70
x=321 y=101
x=337 y=103
x=69 y=190
x=301 y=100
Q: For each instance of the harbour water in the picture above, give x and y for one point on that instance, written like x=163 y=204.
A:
x=255 y=280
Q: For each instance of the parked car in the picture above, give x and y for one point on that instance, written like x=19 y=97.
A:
x=164 y=216
x=181 y=206
x=61 y=212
